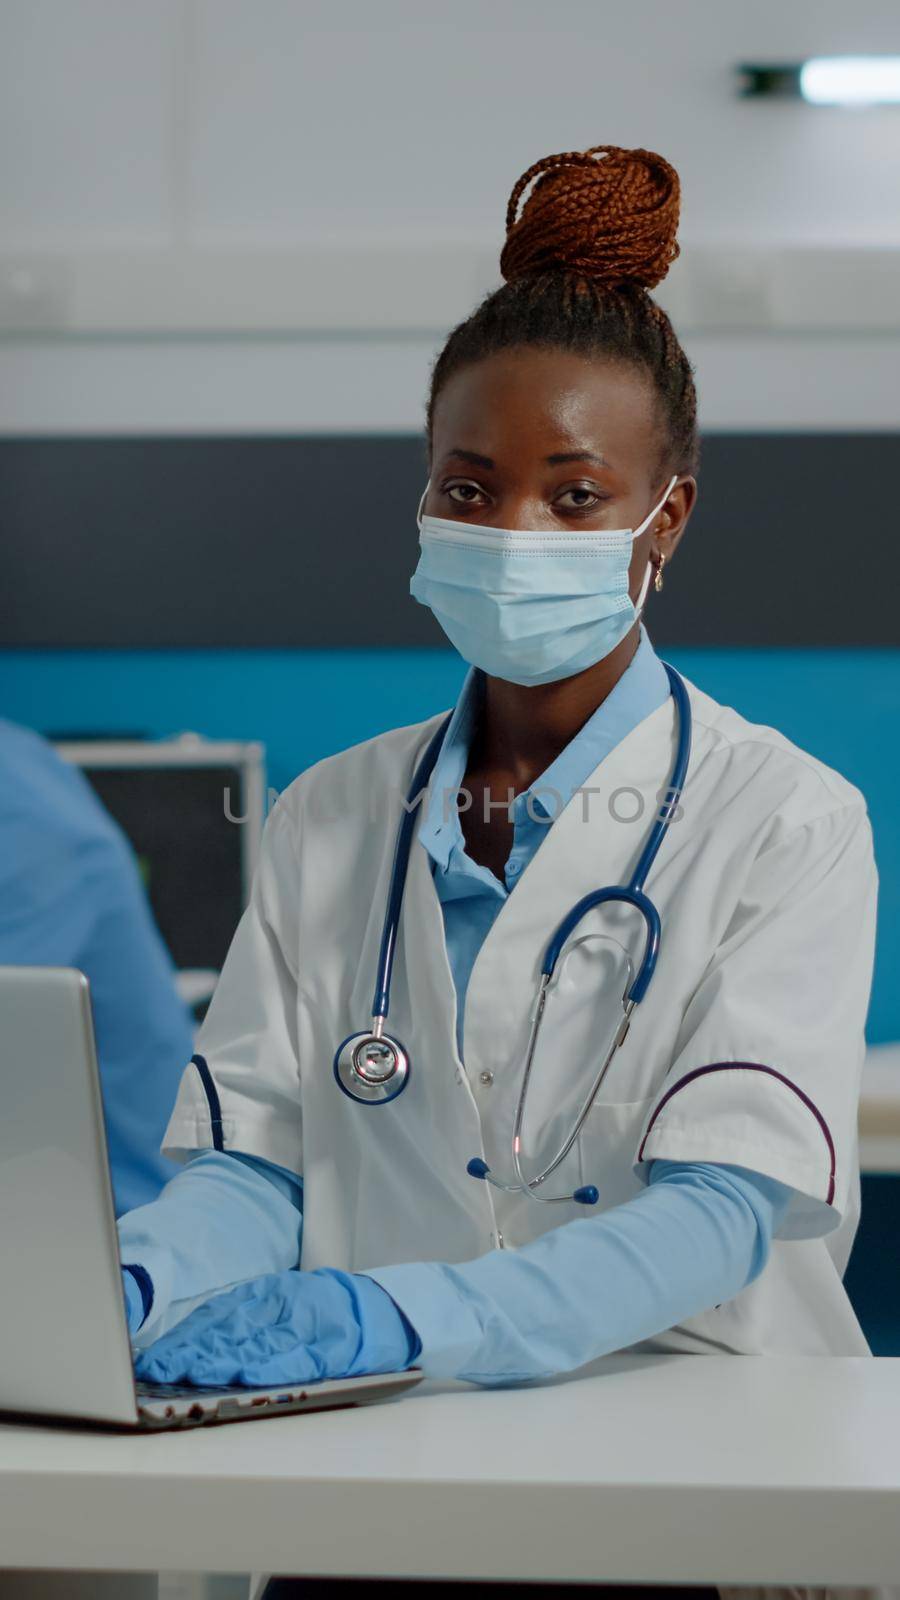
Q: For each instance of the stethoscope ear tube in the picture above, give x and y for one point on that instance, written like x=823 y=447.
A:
x=587 y=1195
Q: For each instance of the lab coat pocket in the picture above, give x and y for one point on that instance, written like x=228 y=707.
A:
x=607 y=1147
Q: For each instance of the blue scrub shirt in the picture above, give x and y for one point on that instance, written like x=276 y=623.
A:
x=71 y=896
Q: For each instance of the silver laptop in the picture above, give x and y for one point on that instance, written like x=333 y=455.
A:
x=64 y=1344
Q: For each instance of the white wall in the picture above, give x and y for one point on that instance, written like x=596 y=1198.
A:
x=265 y=214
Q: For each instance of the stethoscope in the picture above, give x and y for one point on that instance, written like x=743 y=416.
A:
x=372 y=1068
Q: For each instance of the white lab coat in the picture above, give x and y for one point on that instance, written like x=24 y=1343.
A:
x=747 y=1049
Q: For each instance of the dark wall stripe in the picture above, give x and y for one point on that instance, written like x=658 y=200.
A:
x=311 y=542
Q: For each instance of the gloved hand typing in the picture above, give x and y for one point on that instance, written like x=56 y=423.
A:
x=286 y=1327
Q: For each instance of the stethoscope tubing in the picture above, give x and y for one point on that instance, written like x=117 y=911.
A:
x=630 y=893
x=381 y=1001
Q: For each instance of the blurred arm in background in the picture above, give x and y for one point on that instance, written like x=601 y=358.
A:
x=71 y=896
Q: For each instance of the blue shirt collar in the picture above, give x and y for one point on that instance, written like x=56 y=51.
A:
x=642 y=688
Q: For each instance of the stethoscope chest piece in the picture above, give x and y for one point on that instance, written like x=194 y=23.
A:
x=371 y=1068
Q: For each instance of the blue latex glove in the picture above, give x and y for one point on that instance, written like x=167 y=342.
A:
x=286 y=1327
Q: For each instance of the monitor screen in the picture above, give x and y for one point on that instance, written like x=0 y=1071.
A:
x=189 y=850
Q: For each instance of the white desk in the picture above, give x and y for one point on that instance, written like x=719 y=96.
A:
x=712 y=1469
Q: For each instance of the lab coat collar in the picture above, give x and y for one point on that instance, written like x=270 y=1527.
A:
x=642 y=687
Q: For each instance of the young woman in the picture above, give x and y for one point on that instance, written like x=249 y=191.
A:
x=709 y=1197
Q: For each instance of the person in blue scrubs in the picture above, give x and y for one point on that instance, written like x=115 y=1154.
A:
x=71 y=896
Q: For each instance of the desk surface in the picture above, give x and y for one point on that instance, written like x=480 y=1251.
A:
x=682 y=1468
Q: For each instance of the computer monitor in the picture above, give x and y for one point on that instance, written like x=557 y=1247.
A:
x=193 y=810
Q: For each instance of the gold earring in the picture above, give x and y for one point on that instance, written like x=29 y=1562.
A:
x=658 y=580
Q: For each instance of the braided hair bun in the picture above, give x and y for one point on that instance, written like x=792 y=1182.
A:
x=595 y=234
x=607 y=214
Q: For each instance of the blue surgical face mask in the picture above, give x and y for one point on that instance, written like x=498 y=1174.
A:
x=527 y=605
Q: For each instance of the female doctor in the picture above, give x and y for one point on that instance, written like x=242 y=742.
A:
x=710 y=1196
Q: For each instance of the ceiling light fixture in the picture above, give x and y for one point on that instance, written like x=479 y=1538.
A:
x=826 y=80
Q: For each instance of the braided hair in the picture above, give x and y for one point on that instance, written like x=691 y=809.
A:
x=595 y=234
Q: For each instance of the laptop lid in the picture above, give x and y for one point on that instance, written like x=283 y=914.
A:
x=64 y=1346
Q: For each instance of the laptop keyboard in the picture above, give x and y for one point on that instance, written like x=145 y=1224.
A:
x=189 y=1391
